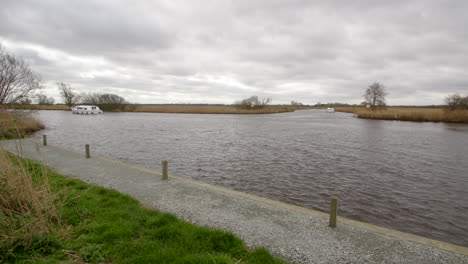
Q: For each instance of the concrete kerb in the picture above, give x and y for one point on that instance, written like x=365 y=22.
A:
x=341 y=220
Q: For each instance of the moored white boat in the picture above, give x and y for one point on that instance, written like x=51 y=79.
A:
x=86 y=110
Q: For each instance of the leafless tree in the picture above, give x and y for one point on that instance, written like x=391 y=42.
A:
x=253 y=102
x=16 y=79
x=456 y=101
x=375 y=96
x=24 y=101
x=42 y=99
x=90 y=98
x=69 y=96
x=107 y=102
x=111 y=99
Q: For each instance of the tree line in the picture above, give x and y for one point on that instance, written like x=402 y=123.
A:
x=18 y=83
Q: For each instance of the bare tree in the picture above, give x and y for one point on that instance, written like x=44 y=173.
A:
x=16 y=79
x=107 y=102
x=69 y=96
x=90 y=98
x=42 y=99
x=111 y=99
x=253 y=102
x=24 y=101
x=456 y=101
x=375 y=96
x=112 y=102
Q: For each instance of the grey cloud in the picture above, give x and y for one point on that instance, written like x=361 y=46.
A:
x=222 y=51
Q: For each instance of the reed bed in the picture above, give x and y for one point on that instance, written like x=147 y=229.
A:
x=211 y=109
x=40 y=107
x=410 y=114
x=17 y=124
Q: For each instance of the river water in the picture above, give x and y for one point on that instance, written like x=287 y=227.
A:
x=407 y=176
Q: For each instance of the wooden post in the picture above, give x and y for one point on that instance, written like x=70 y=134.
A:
x=44 y=140
x=164 y=170
x=333 y=209
x=87 y=151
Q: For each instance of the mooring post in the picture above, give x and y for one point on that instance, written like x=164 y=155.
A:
x=44 y=140
x=164 y=170
x=87 y=151
x=333 y=209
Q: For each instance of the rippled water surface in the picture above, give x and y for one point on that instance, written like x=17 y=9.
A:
x=407 y=176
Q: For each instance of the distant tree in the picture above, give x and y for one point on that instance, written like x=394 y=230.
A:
x=375 y=96
x=42 y=99
x=456 y=101
x=253 y=102
x=24 y=101
x=294 y=103
x=90 y=98
x=69 y=96
x=16 y=79
x=112 y=102
x=108 y=102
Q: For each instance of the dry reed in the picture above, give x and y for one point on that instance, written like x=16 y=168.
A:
x=27 y=205
x=211 y=109
x=410 y=114
x=17 y=124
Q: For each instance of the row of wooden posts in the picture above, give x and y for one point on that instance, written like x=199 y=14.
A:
x=334 y=199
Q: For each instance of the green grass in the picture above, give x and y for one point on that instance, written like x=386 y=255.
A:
x=104 y=226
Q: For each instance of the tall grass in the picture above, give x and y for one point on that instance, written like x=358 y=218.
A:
x=27 y=204
x=409 y=114
x=17 y=124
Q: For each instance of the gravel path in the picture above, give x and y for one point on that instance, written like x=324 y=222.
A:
x=295 y=234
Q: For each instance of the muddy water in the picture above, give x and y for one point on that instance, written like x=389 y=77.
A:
x=407 y=176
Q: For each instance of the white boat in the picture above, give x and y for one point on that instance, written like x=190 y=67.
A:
x=86 y=110
x=330 y=110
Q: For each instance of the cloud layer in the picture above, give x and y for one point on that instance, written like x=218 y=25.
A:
x=222 y=51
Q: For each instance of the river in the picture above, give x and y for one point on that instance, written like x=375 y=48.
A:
x=407 y=176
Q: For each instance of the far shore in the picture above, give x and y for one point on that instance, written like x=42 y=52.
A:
x=415 y=114
x=182 y=108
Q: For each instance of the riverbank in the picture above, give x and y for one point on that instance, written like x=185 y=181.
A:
x=16 y=125
x=184 y=108
x=409 y=114
x=296 y=234
x=50 y=218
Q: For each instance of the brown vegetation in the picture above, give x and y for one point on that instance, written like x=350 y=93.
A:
x=17 y=124
x=410 y=114
x=27 y=206
x=211 y=109
x=189 y=109
x=39 y=107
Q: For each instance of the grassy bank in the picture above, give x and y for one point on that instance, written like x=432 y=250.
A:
x=17 y=124
x=188 y=109
x=55 y=219
x=409 y=114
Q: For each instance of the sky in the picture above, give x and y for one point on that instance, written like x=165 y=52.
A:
x=218 y=51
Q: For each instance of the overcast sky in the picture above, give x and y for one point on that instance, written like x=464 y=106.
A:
x=221 y=51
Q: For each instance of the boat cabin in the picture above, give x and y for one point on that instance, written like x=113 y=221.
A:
x=86 y=110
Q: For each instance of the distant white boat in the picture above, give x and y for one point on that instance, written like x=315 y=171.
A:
x=87 y=110
x=330 y=110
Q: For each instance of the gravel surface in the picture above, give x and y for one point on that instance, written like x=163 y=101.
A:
x=293 y=234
